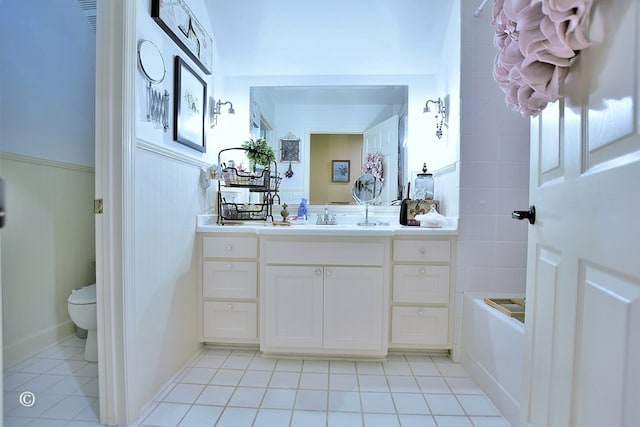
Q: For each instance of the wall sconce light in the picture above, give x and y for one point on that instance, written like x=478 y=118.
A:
x=442 y=117
x=217 y=110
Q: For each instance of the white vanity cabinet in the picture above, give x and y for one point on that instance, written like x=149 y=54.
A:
x=422 y=293
x=229 y=289
x=324 y=296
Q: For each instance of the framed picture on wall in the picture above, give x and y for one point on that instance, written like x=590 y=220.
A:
x=190 y=93
x=177 y=20
x=340 y=170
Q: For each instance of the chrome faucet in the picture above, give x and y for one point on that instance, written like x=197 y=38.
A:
x=326 y=219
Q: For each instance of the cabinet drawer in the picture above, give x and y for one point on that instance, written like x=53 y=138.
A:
x=324 y=253
x=422 y=250
x=227 y=279
x=230 y=319
x=230 y=247
x=428 y=326
x=427 y=284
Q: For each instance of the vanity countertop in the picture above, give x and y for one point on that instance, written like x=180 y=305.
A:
x=207 y=224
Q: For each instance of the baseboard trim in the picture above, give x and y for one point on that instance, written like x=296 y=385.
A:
x=26 y=347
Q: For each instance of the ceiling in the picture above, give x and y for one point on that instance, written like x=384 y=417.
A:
x=329 y=37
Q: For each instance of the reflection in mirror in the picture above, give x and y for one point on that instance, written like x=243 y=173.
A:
x=322 y=116
x=366 y=189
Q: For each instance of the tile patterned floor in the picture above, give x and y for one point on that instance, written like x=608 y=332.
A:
x=237 y=388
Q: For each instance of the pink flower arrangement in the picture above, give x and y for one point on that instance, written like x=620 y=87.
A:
x=374 y=165
x=536 y=40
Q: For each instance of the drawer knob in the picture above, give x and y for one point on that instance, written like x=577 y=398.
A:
x=422 y=251
x=229 y=306
x=228 y=248
x=421 y=312
x=423 y=271
x=228 y=266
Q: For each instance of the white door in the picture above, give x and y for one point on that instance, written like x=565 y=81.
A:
x=292 y=308
x=583 y=285
x=383 y=137
x=353 y=312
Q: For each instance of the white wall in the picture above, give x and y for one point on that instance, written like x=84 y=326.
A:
x=47 y=157
x=494 y=173
x=167 y=198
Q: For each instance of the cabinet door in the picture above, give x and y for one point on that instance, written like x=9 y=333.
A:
x=353 y=308
x=292 y=307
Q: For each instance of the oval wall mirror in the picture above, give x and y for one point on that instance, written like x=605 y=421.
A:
x=151 y=61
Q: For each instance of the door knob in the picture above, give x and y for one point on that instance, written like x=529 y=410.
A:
x=530 y=215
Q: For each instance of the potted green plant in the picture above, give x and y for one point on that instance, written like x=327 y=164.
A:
x=259 y=152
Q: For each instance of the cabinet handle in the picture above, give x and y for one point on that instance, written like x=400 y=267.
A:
x=318 y=272
x=229 y=306
x=421 y=312
x=328 y=271
x=421 y=251
x=228 y=248
x=422 y=271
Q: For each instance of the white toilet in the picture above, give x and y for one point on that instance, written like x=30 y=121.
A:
x=82 y=309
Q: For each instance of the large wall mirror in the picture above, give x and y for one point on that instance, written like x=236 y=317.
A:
x=337 y=125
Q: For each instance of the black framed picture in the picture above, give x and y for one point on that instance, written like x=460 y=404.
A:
x=340 y=170
x=177 y=20
x=190 y=93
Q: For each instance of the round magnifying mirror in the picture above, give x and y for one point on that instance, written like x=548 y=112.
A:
x=151 y=61
x=366 y=188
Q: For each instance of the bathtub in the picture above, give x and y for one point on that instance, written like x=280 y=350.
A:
x=492 y=348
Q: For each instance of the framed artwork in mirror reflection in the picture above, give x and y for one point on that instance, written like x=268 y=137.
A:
x=340 y=170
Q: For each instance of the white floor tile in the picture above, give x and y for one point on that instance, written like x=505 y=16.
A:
x=377 y=403
x=166 y=414
x=442 y=404
x=434 y=385
x=314 y=381
x=229 y=377
x=373 y=383
x=342 y=367
x=416 y=420
x=215 y=395
x=236 y=387
x=184 y=393
x=201 y=415
x=344 y=401
x=477 y=405
x=452 y=421
x=380 y=420
x=284 y=379
x=344 y=419
x=489 y=422
x=403 y=383
x=255 y=379
x=308 y=419
x=198 y=375
x=410 y=403
x=247 y=397
x=343 y=382
x=272 y=418
x=311 y=400
x=276 y=398
x=463 y=385
x=235 y=417
x=289 y=365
